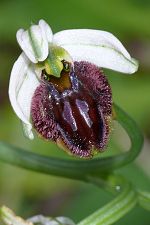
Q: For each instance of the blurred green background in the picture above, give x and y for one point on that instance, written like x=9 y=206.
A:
x=30 y=193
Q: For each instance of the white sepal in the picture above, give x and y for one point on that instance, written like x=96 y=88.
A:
x=34 y=42
x=27 y=130
x=98 y=47
x=23 y=82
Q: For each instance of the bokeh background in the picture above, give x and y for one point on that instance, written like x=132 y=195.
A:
x=30 y=193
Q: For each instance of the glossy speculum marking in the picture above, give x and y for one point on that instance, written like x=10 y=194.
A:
x=75 y=109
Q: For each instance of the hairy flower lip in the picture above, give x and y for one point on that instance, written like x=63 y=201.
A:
x=97 y=47
x=65 y=116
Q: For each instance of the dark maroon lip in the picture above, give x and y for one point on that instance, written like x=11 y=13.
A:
x=74 y=110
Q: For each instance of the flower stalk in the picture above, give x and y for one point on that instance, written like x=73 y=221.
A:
x=76 y=169
x=114 y=210
x=144 y=199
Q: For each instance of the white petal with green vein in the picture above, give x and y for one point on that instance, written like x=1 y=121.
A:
x=34 y=42
x=98 y=47
x=23 y=82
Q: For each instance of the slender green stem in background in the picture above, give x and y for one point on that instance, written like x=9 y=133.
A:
x=144 y=199
x=121 y=205
x=114 y=210
x=96 y=171
x=76 y=169
x=110 y=182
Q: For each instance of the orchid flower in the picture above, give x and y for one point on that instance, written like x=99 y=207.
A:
x=57 y=86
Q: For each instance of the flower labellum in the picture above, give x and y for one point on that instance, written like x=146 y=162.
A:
x=58 y=88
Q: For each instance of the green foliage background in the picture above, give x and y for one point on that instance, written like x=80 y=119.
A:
x=30 y=193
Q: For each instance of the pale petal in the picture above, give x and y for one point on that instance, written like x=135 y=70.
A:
x=47 y=31
x=40 y=219
x=34 y=42
x=98 y=47
x=23 y=83
x=65 y=220
x=27 y=130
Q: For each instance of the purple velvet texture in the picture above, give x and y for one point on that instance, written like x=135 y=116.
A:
x=78 y=117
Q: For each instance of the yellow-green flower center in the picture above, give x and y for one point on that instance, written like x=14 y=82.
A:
x=58 y=59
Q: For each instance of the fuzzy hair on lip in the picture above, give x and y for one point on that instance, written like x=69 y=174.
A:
x=81 y=119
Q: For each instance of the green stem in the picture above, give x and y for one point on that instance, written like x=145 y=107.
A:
x=114 y=210
x=144 y=199
x=110 y=182
x=76 y=169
